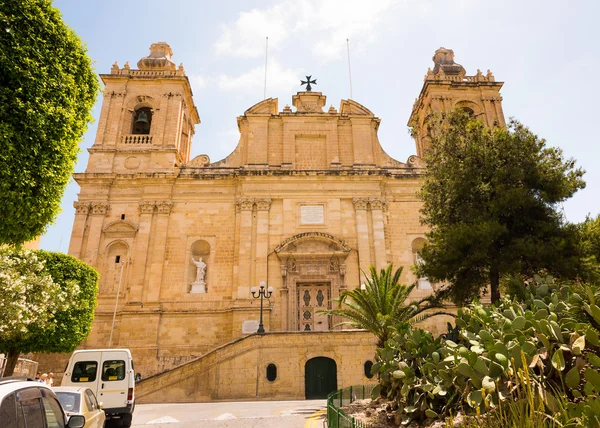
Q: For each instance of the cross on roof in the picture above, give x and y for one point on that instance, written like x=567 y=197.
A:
x=308 y=82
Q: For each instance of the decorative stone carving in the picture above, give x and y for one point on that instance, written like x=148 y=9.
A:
x=199 y=285
x=245 y=204
x=263 y=204
x=377 y=203
x=99 y=207
x=360 y=203
x=132 y=162
x=200 y=160
x=82 y=208
x=289 y=243
x=415 y=161
x=147 y=207
x=164 y=207
x=309 y=102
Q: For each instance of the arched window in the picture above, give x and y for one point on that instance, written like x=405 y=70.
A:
x=271 y=372
x=142 y=120
x=417 y=245
x=368 y=366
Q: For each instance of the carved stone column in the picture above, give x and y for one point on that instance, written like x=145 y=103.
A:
x=377 y=206
x=262 y=239
x=98 y=212
x=82 y=210
x=159 y=245
x=362 y=233
x=245 y=255
x=139 y=255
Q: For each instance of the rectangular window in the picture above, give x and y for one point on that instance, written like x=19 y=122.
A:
x=122 y=216
x=113 y=370
x=84 y=371
x=117 y=259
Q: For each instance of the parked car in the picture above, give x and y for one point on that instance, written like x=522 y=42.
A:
x=27 y=403
x=109 y=373
x=81 y=401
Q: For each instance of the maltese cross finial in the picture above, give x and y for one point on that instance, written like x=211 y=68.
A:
x=308 y=82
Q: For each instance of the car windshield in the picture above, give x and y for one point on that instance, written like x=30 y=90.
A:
x=70 y=401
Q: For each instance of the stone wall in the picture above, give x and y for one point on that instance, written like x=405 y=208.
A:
x=237 y=371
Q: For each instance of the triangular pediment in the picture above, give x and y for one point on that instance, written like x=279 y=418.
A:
x=121 y=228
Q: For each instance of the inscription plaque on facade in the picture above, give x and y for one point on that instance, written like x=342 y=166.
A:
x=312 y=214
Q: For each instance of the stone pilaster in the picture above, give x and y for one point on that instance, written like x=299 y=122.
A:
x=98 y=210
x=157 y=258
x=245 y=255
x=82 y=210
x=262 y=239
x=139 y=256
x=377 y=207
x=362 y=233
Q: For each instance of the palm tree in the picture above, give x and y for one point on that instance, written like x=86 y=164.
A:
x=381 y=305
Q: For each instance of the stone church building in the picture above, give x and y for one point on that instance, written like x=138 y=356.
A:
x=306 y=201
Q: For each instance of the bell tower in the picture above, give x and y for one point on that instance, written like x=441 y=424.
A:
x=447 y=87
x=147 y=119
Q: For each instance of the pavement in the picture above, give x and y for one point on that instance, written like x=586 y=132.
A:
x=240 y=414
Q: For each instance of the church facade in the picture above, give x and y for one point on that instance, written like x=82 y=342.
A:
x=306 y=202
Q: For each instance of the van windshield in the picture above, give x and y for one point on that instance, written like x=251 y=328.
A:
x=84 y=371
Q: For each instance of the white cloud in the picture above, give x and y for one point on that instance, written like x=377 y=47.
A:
x=278 y=79
x=198 y=82
x=324 y=23
x=246 y=36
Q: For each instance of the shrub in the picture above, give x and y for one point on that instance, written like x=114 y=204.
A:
x=546 y=337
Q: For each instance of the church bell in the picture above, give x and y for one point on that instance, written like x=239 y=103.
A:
x=142 y=119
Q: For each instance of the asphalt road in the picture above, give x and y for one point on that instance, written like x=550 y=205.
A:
x=244 y=414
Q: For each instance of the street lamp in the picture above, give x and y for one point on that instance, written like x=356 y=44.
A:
x=262 y=293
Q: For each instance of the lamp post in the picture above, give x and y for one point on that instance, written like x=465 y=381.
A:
x=261 y=293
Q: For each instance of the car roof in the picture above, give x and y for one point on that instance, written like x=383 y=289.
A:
x=70 y=388
x=7 y=386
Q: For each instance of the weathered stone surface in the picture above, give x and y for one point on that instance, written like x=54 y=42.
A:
x=306 y=200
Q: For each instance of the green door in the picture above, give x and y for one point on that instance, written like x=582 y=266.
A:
x=320 y=377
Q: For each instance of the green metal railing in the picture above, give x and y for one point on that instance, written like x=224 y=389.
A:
x=336 y=418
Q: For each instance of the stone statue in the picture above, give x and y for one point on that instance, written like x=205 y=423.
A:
x=200 y=269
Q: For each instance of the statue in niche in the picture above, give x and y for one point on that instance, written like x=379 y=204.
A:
x=199 y=285
x=200 y=269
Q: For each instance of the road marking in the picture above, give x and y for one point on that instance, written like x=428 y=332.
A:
x=225 y=416
x=314 y=420
x=163 y=420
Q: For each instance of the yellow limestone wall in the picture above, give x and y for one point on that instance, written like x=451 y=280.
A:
x=238 y=370
x=145 y=208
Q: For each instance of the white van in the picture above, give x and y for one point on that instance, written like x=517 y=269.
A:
x=109 y=373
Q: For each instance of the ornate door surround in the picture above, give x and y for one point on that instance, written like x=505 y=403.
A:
x=307 y=260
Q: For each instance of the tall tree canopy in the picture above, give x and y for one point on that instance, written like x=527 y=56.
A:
x=491 y=198
x=47 y=90
x=47 y=302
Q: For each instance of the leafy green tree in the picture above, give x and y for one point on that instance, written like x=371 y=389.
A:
x=590 y=243
x=491 y=198
x=382 y=305
x=47 y=302
x=47 y=90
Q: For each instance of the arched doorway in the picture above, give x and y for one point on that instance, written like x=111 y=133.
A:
x=320 y=377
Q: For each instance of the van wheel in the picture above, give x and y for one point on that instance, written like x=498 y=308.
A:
x=126 y=420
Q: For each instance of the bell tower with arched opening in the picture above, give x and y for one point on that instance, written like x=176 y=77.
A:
x=147 y=119
x=446 y=87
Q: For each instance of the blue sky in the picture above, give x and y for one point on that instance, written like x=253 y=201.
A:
x=546 y=52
